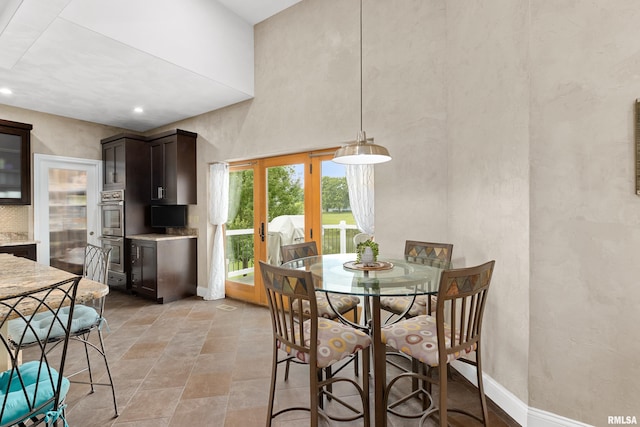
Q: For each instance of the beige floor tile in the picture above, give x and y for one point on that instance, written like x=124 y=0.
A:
x=208 y=411
x=151 y=404
x=207 y=385
x=188 y=363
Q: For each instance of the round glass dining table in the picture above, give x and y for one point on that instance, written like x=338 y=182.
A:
x=339 y=273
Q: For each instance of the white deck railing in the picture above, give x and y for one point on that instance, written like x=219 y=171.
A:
x=344 y=243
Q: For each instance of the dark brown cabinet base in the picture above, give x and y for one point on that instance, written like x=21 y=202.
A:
x=24 y=251
x=164 y=270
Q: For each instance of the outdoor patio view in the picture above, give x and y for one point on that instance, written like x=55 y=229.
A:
x=285 y=215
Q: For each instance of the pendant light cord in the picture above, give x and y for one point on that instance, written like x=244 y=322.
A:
x=361 y=128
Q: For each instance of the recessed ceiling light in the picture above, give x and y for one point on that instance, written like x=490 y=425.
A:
x=138 y=110
x=5 y=91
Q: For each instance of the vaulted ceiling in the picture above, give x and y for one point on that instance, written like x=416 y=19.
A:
x=98 y=60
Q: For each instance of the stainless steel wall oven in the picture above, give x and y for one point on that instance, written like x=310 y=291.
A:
x=112 y=213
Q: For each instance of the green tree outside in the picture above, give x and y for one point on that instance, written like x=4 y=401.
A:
x=286 y=197
x=335 y=194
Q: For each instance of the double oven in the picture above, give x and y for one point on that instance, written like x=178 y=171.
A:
x=113 y=232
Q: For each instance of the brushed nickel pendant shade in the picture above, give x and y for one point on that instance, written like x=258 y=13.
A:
x=362 y=151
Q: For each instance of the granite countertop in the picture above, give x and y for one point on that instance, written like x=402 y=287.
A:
x=19 y=275
x=156 y=237
x=17 y=242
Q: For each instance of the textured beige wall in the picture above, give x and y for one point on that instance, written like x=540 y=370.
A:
x=488 y=126
x=585 y=217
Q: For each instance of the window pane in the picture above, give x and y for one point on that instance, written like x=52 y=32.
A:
x=338 y=223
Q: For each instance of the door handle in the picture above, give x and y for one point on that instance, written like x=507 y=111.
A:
x=262 y=231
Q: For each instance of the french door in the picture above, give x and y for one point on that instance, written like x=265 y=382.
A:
x=66 y=192
x=278 y=201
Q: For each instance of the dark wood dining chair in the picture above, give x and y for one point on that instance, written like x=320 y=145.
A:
x=435 y=341
x=316 y=341
x=33 y=392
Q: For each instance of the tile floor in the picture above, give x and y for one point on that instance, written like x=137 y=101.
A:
x=200 y=363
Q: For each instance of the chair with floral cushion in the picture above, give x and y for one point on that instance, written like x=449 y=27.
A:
x=315 y=341
x=435 y=341
x=422 y=253
x=328 y=304
x=33 y=393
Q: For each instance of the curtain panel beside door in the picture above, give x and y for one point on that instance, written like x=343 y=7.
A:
x=218 y=215
x=361 y=196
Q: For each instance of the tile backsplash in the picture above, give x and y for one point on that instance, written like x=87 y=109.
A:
x=14 y=222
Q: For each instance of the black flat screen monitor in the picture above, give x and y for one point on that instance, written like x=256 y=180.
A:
x=168 y=216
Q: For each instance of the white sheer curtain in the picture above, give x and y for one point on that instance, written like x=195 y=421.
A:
x=218 y=214
x=361 y=196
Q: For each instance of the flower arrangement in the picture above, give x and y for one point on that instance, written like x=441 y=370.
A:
x=361 y=247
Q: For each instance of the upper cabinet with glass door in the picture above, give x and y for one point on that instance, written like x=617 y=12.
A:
x=15 y=163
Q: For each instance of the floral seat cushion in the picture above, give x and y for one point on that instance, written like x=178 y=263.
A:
x=336 y=341
x=399 y=304
x=418 y=337
x=341 y=303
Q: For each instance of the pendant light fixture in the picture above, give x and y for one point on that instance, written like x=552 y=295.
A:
x=362 y=151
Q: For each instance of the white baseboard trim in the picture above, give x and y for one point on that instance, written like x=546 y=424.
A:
x=540 y=418
x=514 y=407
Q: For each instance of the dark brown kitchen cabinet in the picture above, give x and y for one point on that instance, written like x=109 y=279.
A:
x=123 y=155
x=165 y=269
x=15 y=163
x=173 y=168
x=24 y=251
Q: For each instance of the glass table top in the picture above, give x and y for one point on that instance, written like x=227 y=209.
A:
x=391 y=277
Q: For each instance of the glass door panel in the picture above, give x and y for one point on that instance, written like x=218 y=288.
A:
x=67 y=219
x=240 y=227
x=242 y=234
x=285 y=208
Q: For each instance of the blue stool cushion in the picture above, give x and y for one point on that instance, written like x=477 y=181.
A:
x=83 y=318
x=16 y=407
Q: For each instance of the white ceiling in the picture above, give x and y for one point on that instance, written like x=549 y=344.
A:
x=97 y=60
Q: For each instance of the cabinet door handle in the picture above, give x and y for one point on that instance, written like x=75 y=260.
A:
x=160 y=193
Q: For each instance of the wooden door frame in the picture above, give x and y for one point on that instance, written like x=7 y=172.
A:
x=312 y=211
